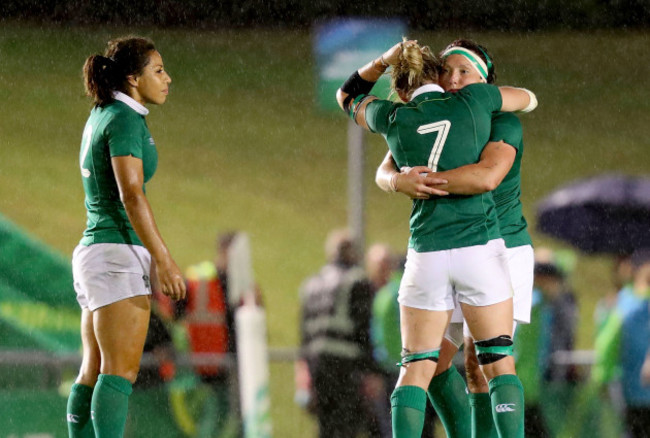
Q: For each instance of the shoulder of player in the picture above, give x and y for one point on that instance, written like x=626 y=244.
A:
x=385 y=103
x=506 y=118
x=475 y=90
x=123 y=117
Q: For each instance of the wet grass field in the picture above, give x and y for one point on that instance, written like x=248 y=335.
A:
x=243 y=146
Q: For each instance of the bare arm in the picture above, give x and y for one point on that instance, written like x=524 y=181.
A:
x=129 y=176
x=517 y=99
x=411 y=181
x=484 y=176
x=371 y=72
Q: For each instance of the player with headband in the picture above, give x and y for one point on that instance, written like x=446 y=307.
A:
x=464 y=63
x=455 y=249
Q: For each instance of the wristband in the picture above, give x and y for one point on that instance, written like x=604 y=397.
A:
x=533 y=101
x=356 y=85
x=384 y=64
x=393 y=181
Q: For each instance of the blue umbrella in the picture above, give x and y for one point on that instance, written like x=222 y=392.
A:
x=606 y=214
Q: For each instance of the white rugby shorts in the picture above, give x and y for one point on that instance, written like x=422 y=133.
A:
x=521 y=261
x=476 y=275
x=105 y=273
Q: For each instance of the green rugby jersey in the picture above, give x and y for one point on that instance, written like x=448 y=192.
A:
x=513 y=226
x=117 y=129
x=442 y=131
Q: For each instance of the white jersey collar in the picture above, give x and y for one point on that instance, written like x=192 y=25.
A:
x=134 y=104
x=427 y=88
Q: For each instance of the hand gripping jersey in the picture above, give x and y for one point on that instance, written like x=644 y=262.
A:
x=115 y=130
x=442 y=131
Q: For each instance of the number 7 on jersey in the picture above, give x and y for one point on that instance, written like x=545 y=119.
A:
x=442 y=129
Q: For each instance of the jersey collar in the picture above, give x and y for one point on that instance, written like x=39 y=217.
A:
x=134 y=104
x=427 y=88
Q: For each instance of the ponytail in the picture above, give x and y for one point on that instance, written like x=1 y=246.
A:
x=100 y=79
x=103 y=75
x=417 y=66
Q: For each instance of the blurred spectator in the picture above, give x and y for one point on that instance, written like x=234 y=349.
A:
x=387 y=343
x=621 y=277
x=209 y=322
x=622 y=346
x=335 y=346
x=645 y=371
x=552 y=329
x=379 y=265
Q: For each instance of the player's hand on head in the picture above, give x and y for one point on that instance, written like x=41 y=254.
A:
x=392 y=55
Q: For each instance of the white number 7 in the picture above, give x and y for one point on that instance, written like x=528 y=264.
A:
x=442 y=128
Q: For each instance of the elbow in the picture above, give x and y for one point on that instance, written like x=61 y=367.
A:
x=340 y=98
x=490 y=184
x=130 y=198
x=379 y=179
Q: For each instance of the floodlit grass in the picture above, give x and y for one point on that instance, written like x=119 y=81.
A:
x=242 y=146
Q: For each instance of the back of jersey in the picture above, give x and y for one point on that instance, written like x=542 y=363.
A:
x=443 y=131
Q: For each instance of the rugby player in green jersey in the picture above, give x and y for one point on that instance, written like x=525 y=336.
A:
x=498 y=170
x=455 y=250
x=121 y=257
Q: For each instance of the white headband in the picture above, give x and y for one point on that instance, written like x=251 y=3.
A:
x=475 y=60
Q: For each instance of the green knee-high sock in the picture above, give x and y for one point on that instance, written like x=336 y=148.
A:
x=78 y=412
x=110 y=405
x=448 y=395
x=408 y=404
x=482 y=422
x=507 y=396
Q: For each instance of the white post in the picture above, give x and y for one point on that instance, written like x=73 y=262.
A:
x=252 y=348
x=356 y=187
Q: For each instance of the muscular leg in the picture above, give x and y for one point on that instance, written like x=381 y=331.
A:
x=78 y=410
x=506 y=392
x=447 y=393
x=120 y=330
x=479 y=397
x=422 y=330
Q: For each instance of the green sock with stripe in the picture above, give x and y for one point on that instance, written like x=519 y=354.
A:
x=110 y=405
x=408 y=404
x=78 y=412
x=448 y=395
x=481 y=411
x=507 y=396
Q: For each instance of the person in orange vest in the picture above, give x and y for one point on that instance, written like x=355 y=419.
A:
x=209 y=320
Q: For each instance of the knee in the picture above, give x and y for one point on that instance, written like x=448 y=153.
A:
x=418 y=368
x=495 y=356
x=476 y=381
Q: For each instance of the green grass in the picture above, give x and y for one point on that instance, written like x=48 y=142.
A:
x=242 y=146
